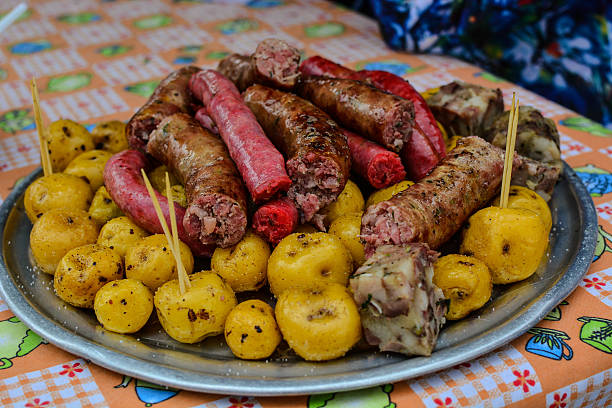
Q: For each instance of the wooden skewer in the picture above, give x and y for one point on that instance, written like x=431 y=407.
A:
x=509 y=156
x=45 y=161
x=184 y=283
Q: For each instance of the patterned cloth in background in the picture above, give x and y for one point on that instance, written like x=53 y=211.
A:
x=560 y=49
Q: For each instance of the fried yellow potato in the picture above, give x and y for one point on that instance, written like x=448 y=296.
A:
x=243 y=266
x=103 y=208
x=150 y=260
x=123 y=305
x=83 y=271
x=58 y=231
x=306 y=229
x=350 y=200
x=320 y=323
x=120 y=234
x=67 y=139
x=347 y=228
x=157 y=177
x=510 y=241
x=522 y=197
x=251 y=331
x=386 y=193
x=57 y=190
x=178 y=194
x=198 y=313
x=90 y=167
x=465 y=281
x=306 y=260
x=110 y=136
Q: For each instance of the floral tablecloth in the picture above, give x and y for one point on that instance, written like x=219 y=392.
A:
x=98 y=60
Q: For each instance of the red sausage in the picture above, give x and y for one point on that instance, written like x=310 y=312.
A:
x=379 y=166
x=126 y=187
x=262 y=166
x=275 y=220
x=421 y=153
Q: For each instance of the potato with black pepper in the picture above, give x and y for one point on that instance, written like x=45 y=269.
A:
x=83 y=271
x=120 y=234
x=319 y=323
x=465 y=281
x=123 y=305
x=66 y=139
x=251 y=331
x=110 y=136
x=57 y=190
x=349 y=200
x=157 y=177
x=103 y=208
x=522 y=197
x=388 y=192
x=510 y=241
x=305 y=260
x=348 y=227
x=151 y=261
x=243 y=266
x=58 y=231
x=90 y=167
x=198 y=313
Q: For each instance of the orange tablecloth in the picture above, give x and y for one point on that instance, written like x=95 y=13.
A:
x=98 y=60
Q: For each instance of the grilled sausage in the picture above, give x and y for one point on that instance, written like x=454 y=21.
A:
x=261 y=165
x=374 y=114
x=318 y=156
x=216 y=212
x=433 y=209
x=274 y=63
x=171 y=96
x=127 y=189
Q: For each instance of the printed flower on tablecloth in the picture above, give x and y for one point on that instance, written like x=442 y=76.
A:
x=559 y=401
x=71 y=369
x=447 y=403
x=595 y=283
x=522 y=380
x=36 y=403
x=243 y=402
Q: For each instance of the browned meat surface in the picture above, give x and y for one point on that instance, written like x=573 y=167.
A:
x=317 y=153
x=216 y=196
x=401 y=309
x=537 y=176
x=466 y=109
x=368 y=111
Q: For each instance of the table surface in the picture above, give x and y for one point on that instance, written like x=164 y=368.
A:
x=98 y=60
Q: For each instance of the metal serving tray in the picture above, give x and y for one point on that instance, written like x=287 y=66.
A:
x=210 y=367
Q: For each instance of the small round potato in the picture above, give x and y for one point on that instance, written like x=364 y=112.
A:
x=306 y=260
x=90 y=167
x=465 y=281
x=243 y=266
x=67 y=139
x=306 y=229
x=347 y=228
x=178 y=194
x=56 y=232
x=123 y=305
x=103 y=208
x=350 y=200
x=151 y=261
x=510 y=241
x=120 y=234
x=110 y=136
x=522 y=197
x=157 y=177
x=83 y=271
x=198 y=313
x=320 y=323
x=386 y=193
x=251 y=331
x=57 y=190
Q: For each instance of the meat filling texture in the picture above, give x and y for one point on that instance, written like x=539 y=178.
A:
x=215 y=219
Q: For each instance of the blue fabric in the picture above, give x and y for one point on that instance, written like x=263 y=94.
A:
x=560 y=49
